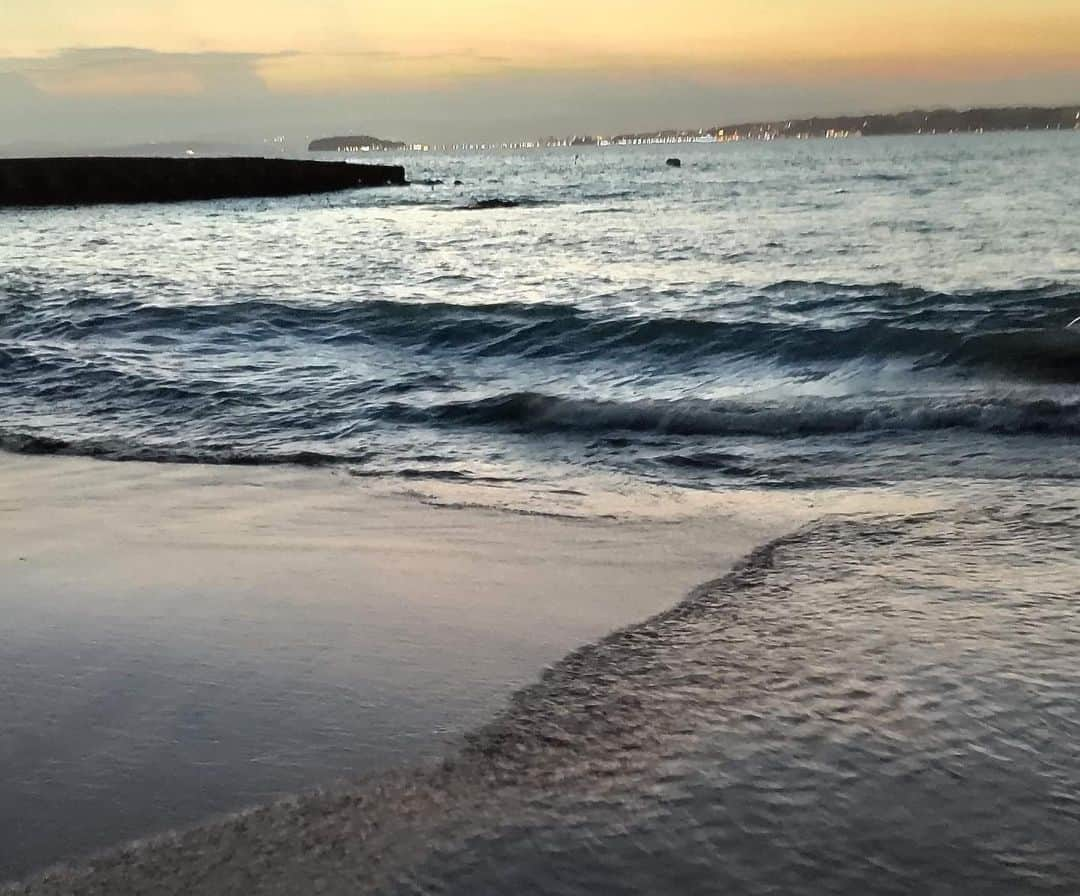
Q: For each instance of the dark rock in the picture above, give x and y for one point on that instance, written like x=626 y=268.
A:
x=674 y=163
x=482 y=204
x=85 y=181
x=458 y=183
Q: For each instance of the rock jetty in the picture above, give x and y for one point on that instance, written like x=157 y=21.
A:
x=87 y=181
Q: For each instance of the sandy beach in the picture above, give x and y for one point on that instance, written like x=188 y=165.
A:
x=566 y=523
x=186 y=641
x=466 y=698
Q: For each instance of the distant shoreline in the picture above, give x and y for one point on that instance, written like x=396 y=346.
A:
x=916 y=122
x=913 y=123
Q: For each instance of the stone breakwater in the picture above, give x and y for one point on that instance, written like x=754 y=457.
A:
x=87 y=181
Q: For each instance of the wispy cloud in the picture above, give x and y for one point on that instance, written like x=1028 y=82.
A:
x=132 y=71
x=474 y=90
x=136 y=71
x=139 y=71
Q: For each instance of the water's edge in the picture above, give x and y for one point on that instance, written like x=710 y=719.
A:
x=477 y=767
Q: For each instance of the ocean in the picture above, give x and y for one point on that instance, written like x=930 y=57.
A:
x=878 y=702
x=778 y=315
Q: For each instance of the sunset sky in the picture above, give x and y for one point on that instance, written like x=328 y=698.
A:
x=436 y=69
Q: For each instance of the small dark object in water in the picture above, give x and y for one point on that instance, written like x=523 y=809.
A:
x=482 y=204
x=674 y=163
x=458 y=183
x=430 y=182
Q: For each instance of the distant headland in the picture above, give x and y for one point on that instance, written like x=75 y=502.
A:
x=359 y=143
x=910 y=123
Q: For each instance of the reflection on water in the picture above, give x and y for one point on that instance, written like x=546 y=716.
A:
x=128 y=727
x=880 y=704
x=178 y=642
x=887 y=705
x=808 y=314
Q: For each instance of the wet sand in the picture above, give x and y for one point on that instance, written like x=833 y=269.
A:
x=185 y=641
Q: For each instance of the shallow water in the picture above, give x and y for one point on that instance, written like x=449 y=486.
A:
x=182 y=641
x=877 y=705
x=885 y=704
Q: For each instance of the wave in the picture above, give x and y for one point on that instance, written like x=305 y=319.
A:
x=30 y=443
x=1021 y=332
x=269 y=381
x=884 y=177
x=1051 y=355
x=622 y=428
x=537 y=412
x=498 y=203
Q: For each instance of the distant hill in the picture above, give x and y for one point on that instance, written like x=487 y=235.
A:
x=919 y=121
x=357 y=143
x=916 y=121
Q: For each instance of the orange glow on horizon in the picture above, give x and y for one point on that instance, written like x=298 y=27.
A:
x=328 y=45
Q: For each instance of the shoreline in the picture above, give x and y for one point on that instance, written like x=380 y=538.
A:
x=837 y=639
x=343 y=611
x=274 y=847
x=822 y=647
x=421 y=792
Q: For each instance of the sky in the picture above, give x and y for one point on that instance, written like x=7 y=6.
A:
x=116 y=71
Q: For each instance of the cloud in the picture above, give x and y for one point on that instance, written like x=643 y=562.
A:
x=124 y=71
x=135 y=71
x=18 y=100
x=108 y=96
x=311 y=73
x=16 y=89
x=127 y=72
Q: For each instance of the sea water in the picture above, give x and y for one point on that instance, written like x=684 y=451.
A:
x=779 y=314
x=877 y=703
